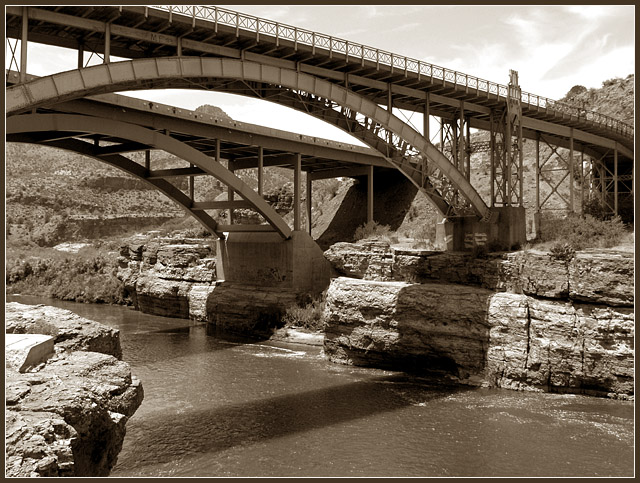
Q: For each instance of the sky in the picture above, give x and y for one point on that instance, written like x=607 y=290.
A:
x=552 y=47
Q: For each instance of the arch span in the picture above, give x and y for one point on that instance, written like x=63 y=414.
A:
x=21 y=125
x=192 y=72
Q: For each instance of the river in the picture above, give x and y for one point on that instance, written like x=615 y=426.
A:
x=217 y=407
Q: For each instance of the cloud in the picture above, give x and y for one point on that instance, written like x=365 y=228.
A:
x=590 y=11
x=369 y=11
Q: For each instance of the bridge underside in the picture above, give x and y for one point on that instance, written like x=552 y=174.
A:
x=328 y=81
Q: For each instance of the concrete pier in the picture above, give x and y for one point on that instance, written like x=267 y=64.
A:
x=265 y=259
x=466 y=232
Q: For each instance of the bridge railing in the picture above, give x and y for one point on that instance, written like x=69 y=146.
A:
x=404 y=64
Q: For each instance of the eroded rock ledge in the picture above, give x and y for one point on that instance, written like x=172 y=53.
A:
x=520 y=320
x=171 y=277
x=67 y=416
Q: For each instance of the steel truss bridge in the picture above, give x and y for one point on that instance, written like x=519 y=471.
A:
x=357 y=88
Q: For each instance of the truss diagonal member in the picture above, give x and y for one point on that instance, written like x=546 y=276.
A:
x=32 y=123
x=174 y=71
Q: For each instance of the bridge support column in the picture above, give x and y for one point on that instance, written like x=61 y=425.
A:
x=370 y=194
x=466 y=232
x=260 y=170
x=297 y=174
x=615 y=181
x=80 y=56
x=309 y=202
x=230 y=194
x=23 y=45
x=107 y=43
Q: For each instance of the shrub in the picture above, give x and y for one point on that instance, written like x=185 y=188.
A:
x=562 y=251
x=479 y=251
x=307 y=317
x=424 y=232
x=584 y=232
x=371 y=229
x=595 y=208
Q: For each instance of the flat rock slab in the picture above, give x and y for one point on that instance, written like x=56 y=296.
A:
x=23 y=351
x=69 y=331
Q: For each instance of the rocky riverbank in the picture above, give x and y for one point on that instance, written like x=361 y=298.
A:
x=520 y=320
x=67 y=415
x=176 y=277
x=523 y=320
x=167 y=276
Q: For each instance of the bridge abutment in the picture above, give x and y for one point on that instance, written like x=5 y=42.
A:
x=465 y=232
x=259 y=276
x=267 y=260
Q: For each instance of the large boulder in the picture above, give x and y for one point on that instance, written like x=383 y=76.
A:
x=70 y=331
x=67 y=416
x=368 y=259
x=248 y=310
x=417 y=327
x=160 y=274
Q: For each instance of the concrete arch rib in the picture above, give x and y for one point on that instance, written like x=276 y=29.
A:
x=189 y=71
x=33 y=123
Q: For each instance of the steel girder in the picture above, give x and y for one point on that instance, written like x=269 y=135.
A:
x=73 y=125
x=401 y=156
x=192 y=72
x=506 y=150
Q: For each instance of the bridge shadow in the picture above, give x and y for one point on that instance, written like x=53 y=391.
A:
x=394 y=194
x=177 y=434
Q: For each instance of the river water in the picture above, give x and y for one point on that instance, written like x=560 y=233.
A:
x=217 y=407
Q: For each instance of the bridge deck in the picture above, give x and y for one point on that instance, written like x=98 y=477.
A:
x=137 y=31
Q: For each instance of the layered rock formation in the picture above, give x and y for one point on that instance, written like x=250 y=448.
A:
x=247 y=309
x=520 y=320
x=424 y=328
x=168 y=276
x=592 y=276
x=67 y=416
x=550 y=345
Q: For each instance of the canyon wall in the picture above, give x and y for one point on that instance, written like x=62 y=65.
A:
x=521 y=320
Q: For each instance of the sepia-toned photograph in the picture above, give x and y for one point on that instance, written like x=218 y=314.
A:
x=319 y=241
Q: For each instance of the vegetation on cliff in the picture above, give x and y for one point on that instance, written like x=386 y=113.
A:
x=580 y=232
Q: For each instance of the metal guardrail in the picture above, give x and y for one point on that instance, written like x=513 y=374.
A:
x=404 y=64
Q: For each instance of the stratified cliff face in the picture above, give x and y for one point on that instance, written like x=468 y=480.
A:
x=597 y=276
x=519 y=320
x=171 y=277
x=67 y=416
